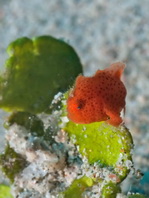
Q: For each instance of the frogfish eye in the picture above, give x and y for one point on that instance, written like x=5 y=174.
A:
x=80 y=104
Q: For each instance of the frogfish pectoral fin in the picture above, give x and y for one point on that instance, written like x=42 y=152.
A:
x=114 y=118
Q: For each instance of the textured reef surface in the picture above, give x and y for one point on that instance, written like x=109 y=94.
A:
x=47 y=155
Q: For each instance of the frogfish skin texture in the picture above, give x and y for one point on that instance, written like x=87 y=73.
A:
x=100 y=97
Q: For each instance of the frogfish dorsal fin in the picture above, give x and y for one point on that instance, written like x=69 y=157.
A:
x=116 y=69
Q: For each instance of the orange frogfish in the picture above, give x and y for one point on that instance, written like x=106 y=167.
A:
x=100 y=97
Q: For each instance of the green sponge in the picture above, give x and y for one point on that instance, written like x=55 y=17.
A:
x=103 y=143
x=37 y=70
x=78 y=187
x=5 y=191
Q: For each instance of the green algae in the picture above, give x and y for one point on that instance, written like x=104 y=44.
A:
x=37 y=70
x=11 y=163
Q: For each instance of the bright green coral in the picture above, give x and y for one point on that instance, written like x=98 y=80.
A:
x=37 y=70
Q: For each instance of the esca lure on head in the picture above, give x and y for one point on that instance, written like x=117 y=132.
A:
x=98 y=98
